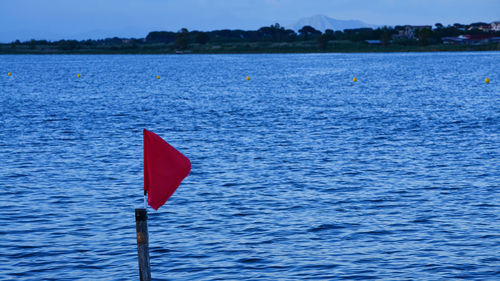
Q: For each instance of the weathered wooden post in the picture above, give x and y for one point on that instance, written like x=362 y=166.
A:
x=141 y=224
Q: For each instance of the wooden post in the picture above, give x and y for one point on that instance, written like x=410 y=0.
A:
x=141 y=224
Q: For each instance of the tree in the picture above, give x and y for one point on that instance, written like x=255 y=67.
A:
x=423 y=36
x=477 y=24
x=68 y=45
x=339 y=35
x=181 y=43
x=386 y=36
x=361 y=34
x=439 y=26
x=202 y=38
x=160 y=36
x=291 y=36
x=323 y=41
x=330 y=34
x=276 y=33
x=32 y=43
x=268 y=33
x=308 y=31
x=399 y=28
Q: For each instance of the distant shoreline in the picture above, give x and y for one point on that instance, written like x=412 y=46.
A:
x=253 y=48
x=275 y=39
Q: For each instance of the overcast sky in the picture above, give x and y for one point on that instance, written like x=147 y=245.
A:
x=58 y=19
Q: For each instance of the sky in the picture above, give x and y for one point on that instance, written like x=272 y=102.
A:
x=84 y=19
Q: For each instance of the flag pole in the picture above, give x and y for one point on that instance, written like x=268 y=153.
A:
x=164 y=169
x=141 y=225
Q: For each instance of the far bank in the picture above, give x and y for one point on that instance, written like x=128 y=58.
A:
x=337 y=46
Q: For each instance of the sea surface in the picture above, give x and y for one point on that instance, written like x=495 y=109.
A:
x=297 y=174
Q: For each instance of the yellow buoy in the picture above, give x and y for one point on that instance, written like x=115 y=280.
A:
x=354 y=79
x=78 y=75
x=9 y=74
x=157 y=76
x=487 y=80
x=248 y=78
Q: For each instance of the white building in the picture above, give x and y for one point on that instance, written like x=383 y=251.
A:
x=410 y=31
x=495 y=26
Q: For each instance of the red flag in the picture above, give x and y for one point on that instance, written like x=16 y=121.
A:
x=164 y=169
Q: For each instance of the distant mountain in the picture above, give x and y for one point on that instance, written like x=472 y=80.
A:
x=322 y=22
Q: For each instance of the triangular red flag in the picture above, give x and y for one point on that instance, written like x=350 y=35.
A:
x=164 y=169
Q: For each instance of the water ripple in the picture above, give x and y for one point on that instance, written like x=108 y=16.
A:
x=297 y=174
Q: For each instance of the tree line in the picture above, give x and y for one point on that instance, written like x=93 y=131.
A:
x=181 y=39
x=277 y=33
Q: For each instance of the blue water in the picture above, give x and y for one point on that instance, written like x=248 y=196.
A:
x=297 y=174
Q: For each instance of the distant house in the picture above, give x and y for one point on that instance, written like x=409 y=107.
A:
x=470 y=39
x=452 y=40
x=495 y=26
x=485 y=28
x=410 y=31
x=478 y=39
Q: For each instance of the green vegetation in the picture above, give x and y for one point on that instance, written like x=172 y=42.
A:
x=273 y=39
